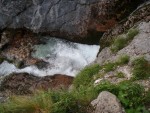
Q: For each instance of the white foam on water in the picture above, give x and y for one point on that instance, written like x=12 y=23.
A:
x=63 y=57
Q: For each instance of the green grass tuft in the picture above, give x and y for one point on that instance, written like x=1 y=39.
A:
x=120 y=75
x=110 y=66
x=132 y=33
x=124 y=59
x=120 y=42
x=141 y=68
x=38 y=103
x=85 y=77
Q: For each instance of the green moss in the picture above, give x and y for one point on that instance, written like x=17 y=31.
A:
x=141 y=68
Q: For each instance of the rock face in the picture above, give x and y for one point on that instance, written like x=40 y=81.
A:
x=139 y=46
x=24 y=83
x=107 y=103
x=140 y=14
x=76 y=20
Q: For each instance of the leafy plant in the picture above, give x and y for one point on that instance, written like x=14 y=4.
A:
x=130 y=94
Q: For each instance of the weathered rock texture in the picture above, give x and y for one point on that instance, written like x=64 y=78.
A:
x=72 y=19
x=107 y=103
x=139 y=46
x=142 y=13
x=24 y=83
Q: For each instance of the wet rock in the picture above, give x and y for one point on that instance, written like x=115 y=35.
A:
x=19 y=47
x=41 y=64
x=106 y=102
x=77 y=20
x=5 y=39
x=24 y=83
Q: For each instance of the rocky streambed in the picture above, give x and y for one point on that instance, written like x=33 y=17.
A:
x=45 y=62
x=44 y=55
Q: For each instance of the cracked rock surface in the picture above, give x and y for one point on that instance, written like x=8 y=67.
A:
x=72 y=19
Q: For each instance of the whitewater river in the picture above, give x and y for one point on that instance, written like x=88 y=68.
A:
x=63 y=57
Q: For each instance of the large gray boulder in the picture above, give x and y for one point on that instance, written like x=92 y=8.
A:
x=106 y=102
x=76 y=20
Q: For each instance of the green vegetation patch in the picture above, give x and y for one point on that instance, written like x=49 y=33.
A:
x=110 y=66
x=85 y=77
x=118 y=44
x=132 y=33
x=124 y=59
x=36 y=103
x=131 y=95
x=121 y=41
x=120 y=75
x=141 y=68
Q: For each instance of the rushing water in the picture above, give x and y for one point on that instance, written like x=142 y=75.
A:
x=63 y=57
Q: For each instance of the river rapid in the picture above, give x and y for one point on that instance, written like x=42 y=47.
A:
x=63 y=57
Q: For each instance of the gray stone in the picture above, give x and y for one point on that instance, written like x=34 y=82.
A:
x=139 y=46
x=72 y=19
x=106 y=102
